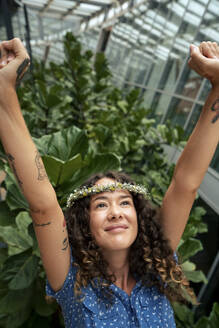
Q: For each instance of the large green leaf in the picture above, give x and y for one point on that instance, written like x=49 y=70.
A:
x=212 y=321
x=188 y=266
x=96 y=164
x=31 y=232
x=183 y=313
x=189 y=248
x=23 y=220
x=15 y=301
x=16 y=319
x=203 y=323
x=36 y=321
x=40 y=304
x=59 y=171
x=6 y=216
x=214 y=316
x=196 y=276
x=13 y=264
x=15 y=199
x=3 y=255
x=25 y=275
x=16 y=240
x=64 y=144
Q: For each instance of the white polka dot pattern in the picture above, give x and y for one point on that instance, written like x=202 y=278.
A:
x=144 y=308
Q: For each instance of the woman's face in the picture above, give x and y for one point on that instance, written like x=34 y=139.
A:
x=113 y=218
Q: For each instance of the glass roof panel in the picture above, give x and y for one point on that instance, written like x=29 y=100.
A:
x=38 y=2
x=180 y=47
x=192 y=19
x=135 y=11
x=208 y=16
x=168 y=32
x=142 y=7
x=60 y=9
x=214 y=7
x=79 y=12
x=63 y=3
x=125 y=5
x=35 y=4
x=184 y=3
x=209 y=32
x=176 y=8
x=197 y=8
x=151 y=13
x=110 y=13
x=104 y=2
x=89 y=7
x=204 y=1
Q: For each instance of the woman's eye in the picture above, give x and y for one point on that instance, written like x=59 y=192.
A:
x=101 y=205
x=125 y=202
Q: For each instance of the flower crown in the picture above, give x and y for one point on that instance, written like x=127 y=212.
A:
x=87 y=191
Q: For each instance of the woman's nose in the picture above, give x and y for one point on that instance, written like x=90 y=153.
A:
x=114 y=213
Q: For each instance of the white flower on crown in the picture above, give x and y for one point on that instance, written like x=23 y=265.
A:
x=84 y=192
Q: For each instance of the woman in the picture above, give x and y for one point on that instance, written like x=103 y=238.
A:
x=120 y=268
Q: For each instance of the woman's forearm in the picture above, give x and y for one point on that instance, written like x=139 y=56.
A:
x=22 y=154
x=200 y=148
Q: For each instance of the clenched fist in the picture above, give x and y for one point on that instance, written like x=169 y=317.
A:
x=205 y=61
x=14 y=62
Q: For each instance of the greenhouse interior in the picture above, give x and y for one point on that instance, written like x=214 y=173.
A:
x=131 y=56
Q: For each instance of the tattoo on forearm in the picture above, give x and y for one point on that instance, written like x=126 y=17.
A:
x=40 y=167
x=12 y=162
x=215 y=108
x=22 y=70
x=65 y=244
x=41 y=224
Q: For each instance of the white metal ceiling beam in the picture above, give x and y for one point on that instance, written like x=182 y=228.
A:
x=70 y=11
x=96 y=3
x=120 y=9
x=46 y=7
x=102 y=19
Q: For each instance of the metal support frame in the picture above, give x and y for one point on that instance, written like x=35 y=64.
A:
x=193 y=106
x=183 y=70
x=41 y=28
x=7 y=19
x=103 y=39
x=27 y=34
x=205 y=294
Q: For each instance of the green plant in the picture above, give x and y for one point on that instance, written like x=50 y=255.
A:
x=82 y=124
x=185 y=317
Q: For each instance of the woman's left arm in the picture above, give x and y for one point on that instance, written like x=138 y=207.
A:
x=199 y=150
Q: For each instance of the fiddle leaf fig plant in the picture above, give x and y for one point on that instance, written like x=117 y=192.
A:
x=81 y=124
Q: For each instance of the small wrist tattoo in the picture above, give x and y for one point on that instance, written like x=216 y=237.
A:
x=12 y=162
x=215 y=108
x=40 y=167
x=41 y=224
x=22 y=70
x=65 y=244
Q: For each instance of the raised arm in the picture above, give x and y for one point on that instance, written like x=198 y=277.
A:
x=28 y=168
x=200 y=148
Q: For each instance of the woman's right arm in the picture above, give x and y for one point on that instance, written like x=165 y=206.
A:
x=27 y=165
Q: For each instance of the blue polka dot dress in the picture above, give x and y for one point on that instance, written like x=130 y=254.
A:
x=144 y=308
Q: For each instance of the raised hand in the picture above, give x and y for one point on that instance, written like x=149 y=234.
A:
x=205 y=61
x=14 y=62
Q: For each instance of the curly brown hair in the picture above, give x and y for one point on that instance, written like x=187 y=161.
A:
x=151 y=257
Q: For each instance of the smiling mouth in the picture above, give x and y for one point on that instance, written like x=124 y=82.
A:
x=116 y=228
